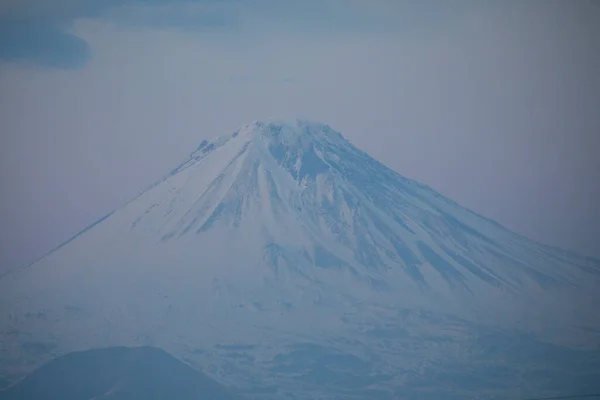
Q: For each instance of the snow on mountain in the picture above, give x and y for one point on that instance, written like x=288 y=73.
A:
x=283 y=234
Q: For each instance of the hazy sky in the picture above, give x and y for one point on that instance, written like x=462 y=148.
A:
x=494 y=104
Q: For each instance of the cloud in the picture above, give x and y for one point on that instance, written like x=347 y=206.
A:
x=40 y=31
x=42 y=44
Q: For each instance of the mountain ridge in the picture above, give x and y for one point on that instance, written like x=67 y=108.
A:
x=220 y=139
x=302 y=130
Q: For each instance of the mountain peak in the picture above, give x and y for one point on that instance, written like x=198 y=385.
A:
x=303 y=147
x=291 y=131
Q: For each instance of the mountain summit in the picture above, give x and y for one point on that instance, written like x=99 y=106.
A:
x=282 y=248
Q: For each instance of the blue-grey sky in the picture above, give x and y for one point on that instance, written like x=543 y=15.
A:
x=494 y=104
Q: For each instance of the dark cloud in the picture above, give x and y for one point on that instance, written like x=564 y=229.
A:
x=39 y=31
x=42 y=44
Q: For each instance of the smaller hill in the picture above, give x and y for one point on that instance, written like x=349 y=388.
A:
x=117 y=373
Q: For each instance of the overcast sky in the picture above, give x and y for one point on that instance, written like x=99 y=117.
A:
x=494 y=104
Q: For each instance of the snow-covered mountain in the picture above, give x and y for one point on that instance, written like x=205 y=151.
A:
x=284 y=261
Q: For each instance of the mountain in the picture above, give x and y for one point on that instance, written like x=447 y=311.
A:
x=117 y=373
x=281 y=259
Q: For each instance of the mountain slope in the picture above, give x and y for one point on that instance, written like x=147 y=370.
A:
x=281 y=235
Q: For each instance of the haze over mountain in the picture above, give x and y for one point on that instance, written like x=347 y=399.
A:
x=285 y=262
